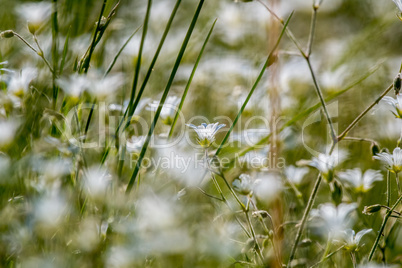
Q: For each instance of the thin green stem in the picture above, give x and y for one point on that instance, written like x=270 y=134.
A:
x=322 y=100
x=164 y=96
x=139 y=57
x=388 y=187
x=267 y=63
x=190 y=80
x=359 y=117
x=87 y=59
x=327 y=257
x=383 y=227
x=304 y=218
x=258 y=248
x=312 y=31
x=55 y=33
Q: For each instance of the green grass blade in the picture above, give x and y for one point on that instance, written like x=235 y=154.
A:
x=138 y=65
x=266 y=65
x=190 y=80
x=55 y=34
x=65 y=51
x=87 y=60
x=153 y=62
x=120 y=51
x=164 y=96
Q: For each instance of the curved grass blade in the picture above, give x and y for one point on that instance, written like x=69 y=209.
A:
x=146 y=78
x=120 y=51
x=87 y=60
x=151 y=66
x=190 y=80
x=138 y=65
x=164 y=96
x=267 y=63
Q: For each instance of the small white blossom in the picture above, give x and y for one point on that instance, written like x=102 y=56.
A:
x=19 y=82
x=398 y=3
x=168 y=110
x=8 y=128
x=103 y=87
x=267 y=187
x=395 y=103
x=295 y=175
x=326 y=163
x=335 y=219
x=135 y=143
x=351 y=240
x=359 y=181
x=96 y=182
x=243 y=184
x=393 y=162
x=206 y=133
x=49 y=211
x=74 y=85
x=35 y=13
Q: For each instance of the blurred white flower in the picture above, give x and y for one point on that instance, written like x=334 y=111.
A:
x=206 y=133
x=351 y=240
x=134 y=143
x=8 y=128
x=295 y=174
x=96 y=182
x=36 y=13
x=74 y=85
x=243 y=184
x=398 y=3
x=335 y=219
x=168 y=110
x=359 y=181
x=326 y=163
x=49 y=211
x=395 y=103
x=102 y=87
x=267 y=187
x=19 y=82
x=393 y=162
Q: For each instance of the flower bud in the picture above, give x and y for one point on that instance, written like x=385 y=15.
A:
x=368 y=210
x=31 y=27
x=336 y=192
x=397 y=83
x=7 y=34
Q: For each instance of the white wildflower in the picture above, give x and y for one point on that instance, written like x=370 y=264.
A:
x=103 y=87
x=335 y=219
x=398 y=3
x=295 y=175
x=96 y=182
x=326 y=163
x=168 y=109
x=19 y=82
x=35 y=13
x=243 y=184
x=8 y=128
x=359 y=181
x=393 y=162
x=206 y=133
x=74 y=85
x=134 y=144
x=395 y=103
x=267 y=187
x=49 y=211
x=351 y=240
